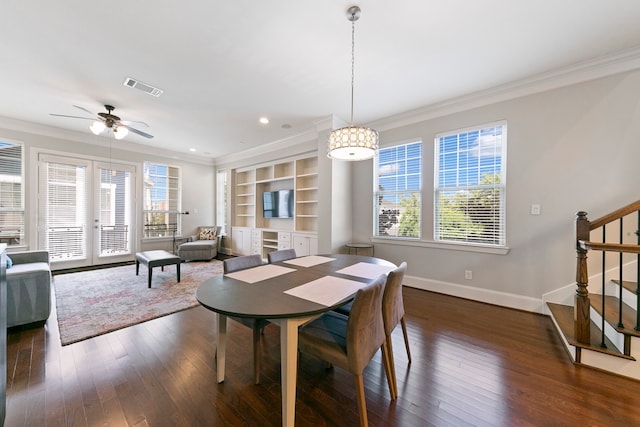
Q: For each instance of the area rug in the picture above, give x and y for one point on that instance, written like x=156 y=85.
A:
x=92 y=303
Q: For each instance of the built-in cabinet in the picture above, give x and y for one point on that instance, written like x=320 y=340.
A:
x=251 y=231
x=305 y=243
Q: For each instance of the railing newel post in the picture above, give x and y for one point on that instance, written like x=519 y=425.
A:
x=582 y=304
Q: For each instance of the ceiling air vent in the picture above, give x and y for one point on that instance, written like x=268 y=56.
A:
x=137 y=84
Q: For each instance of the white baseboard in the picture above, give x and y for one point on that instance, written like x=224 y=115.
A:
x=484 y=295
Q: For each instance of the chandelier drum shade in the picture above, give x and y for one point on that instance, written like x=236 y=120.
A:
x=352 y=142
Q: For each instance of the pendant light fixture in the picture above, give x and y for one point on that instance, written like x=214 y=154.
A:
x=353 y=142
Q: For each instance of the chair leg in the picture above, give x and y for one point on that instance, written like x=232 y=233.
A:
x=362 y=403
x=406 y=338
x=256 y=354
x=387 y=355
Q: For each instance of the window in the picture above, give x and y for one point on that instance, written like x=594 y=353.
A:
x=162 y=196
x=470 y=185
x=11 y=194
x=221 y=201
x=397 y=191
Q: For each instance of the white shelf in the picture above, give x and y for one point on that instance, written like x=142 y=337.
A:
x=283 y=178
x=307 y=189
x=307 y=201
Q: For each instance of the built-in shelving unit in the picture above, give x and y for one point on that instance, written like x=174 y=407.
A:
x=245 y=198
x=307 y=194
x=298 y=174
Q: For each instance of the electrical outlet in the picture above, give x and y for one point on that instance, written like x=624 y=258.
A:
x=468 y=274
x=535 y=209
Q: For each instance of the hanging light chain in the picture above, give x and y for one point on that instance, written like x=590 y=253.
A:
x=353 y=59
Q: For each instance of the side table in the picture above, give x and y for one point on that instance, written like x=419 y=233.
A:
x=356 y=246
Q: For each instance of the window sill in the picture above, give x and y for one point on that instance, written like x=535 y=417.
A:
x=465 y=247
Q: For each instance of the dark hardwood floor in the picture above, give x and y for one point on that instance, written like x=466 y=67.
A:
x=473 y=365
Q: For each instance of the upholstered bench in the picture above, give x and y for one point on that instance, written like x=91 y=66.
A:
x=157 y=259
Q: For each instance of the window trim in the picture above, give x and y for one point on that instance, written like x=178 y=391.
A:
x=178 y=210
x=419 y=191
x=503 y=184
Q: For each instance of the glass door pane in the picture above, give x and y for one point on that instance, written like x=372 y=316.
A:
x=64 y=216
x=113 y=210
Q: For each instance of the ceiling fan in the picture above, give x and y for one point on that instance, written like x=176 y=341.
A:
x=106 y=120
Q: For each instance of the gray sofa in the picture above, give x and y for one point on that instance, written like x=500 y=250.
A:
x=28 y=288
x=202 y=246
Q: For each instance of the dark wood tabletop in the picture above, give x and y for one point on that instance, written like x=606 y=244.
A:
x=266 y=298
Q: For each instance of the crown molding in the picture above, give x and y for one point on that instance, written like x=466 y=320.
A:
x=292 y=145
x=620 y=62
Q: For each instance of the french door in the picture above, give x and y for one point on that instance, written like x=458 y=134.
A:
x=86 y=212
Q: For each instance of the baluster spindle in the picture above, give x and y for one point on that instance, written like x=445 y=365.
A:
x=604 y=269
x=620 y=324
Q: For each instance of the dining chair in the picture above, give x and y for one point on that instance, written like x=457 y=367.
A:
x=240 y=263
x=281 y=255
x=350 y=342
x=392 y=314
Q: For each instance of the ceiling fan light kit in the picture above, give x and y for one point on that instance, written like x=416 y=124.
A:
x=353 y=142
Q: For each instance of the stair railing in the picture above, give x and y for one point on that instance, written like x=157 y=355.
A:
x=583 y=229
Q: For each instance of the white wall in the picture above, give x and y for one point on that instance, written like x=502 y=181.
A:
x=569 y=149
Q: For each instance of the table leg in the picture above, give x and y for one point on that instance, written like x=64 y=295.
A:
x=289 y=365
x=221 y=347
x=289 y=369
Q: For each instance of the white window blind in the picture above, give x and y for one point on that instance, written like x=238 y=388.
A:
x=162 y=198
x=66 y=211
x=11 y=194
x=470 y=185
x=397 y=191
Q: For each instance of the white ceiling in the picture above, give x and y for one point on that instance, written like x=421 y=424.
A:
x=224 y=64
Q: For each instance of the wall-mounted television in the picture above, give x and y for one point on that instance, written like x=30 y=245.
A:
x=277 y=204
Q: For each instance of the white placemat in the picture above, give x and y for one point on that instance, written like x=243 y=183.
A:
x=309 y=261
x=263 y=272
x=327 y=290
x=366 y=270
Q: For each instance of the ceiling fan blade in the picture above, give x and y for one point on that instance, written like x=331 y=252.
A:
x=139 y=132
x=85 y=110
x=72 y=117
x=129 y=122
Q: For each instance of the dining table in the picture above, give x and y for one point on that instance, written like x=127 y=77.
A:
x=288 y=293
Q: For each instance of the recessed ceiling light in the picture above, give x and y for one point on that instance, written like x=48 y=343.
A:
x=192 y=149
x=263 y=120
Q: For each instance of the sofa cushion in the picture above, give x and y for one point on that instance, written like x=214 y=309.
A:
x=26 y=269
x=199 y=244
